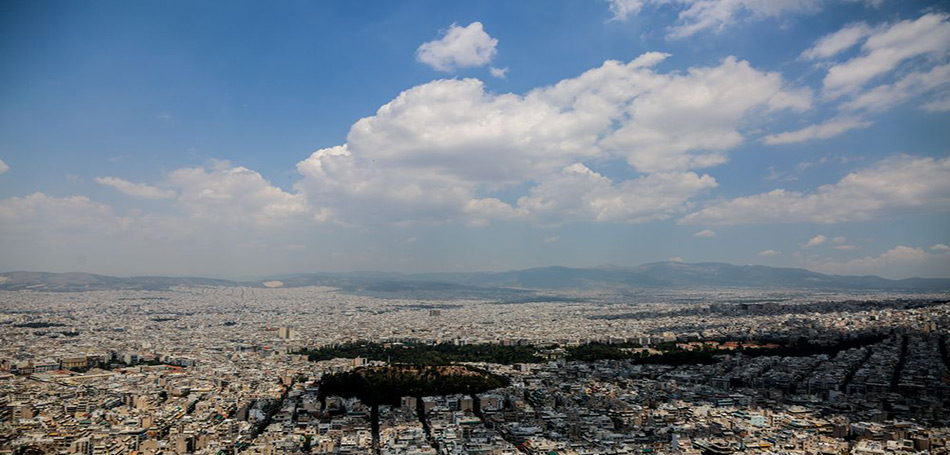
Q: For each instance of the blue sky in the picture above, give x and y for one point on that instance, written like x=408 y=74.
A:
x=248 y=138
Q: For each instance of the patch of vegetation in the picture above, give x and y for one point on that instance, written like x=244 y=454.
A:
x=803 y=348
x=598 y=351
x=424 y=354
x=39 y=325
x=671 y=354
x=387 y=385
x=375 y=386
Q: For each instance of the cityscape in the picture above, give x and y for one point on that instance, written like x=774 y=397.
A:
x=238 y=370
x=475 y=227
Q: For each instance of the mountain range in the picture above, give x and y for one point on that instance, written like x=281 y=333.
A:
x=653 y=275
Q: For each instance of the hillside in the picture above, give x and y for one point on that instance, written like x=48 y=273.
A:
x=654 y=275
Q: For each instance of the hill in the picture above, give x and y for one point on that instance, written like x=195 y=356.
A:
x=71 y=282
x=506 y=284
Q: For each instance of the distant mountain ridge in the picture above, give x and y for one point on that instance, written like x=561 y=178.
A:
x=653 y=275
x=684 y=275
x=78 y=281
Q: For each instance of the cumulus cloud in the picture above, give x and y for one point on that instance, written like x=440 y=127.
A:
x=135 y=189
x=690 y=120
x=234 y=194
x=706 y=233
x=940 y=247
x=828 y=129
x=439 y=151
x=206 y=197
x=221 y=219
x=3 y=167
x=767 y=253
x=885 y=49
x=894 y=185
x=450 y=151
x=74 y=232
x=904 y=260
x=580 y=194
x=459 y=47
x=815 y=241
x=39 y=212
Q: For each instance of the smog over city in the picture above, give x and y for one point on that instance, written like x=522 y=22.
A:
x=543 y=227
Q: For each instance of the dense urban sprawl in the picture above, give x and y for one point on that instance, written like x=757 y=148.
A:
x=226 y=370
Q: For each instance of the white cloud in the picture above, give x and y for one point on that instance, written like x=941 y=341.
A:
x=904 y=260
x=940 y=247
x=895 y=185
x=500 y=73
x=913 y=84
x=870 y=3
x=767 y=253
x=208 y=199
x=815 y=241
x=438 y=152
x=135 y=189
x=551 y=239
x=688 y=121
x=234 y=195
x=444 y=151
x=3 y=167
x=941 y=104
x=459 y=47
x=579 y=194
x=481 y=211
x=74 y=232
x=461 y=131
x=702 y=15
x=706 y=233
x=885 y=49
x=828 y=129
x=38 y=212
x=623 y=9
x=697 y=16
x=837 y=42
x=675 y=259
x=840 y=244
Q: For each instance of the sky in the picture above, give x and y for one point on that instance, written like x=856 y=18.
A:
x=239 y=139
